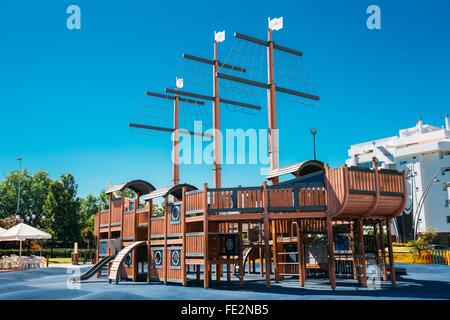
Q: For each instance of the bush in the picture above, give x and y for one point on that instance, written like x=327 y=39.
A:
x=400 y=244
x=57 y=253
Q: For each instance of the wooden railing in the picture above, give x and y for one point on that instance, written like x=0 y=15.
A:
x=280 y=198
x=391 y=181
x=158 y=226
x=142 y=215
x=104 y=218
x=194 y=244
x=193 y=201
x=247 y=199
x=361 y=179
x=311 y=197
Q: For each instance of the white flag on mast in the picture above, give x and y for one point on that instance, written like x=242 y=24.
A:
x=219 y=36
x=179 y=83
x=276 y=23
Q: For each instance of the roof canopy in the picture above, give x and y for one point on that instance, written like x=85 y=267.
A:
x=175 y=191
x=22 y=232
x=298 y=169
x=141 y=186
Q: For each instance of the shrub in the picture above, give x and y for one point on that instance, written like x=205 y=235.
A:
x=57 y=253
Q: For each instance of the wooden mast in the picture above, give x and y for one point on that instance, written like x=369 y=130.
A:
x=272 y=109
x=176 y=142
x=216 y=123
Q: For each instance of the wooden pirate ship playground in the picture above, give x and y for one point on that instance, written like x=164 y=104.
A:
x=323 y=222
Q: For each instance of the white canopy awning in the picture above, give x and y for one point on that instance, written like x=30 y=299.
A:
x=22 y=232
x=1 y=230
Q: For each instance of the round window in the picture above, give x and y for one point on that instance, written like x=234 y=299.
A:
x=175 y=258
x=175 y=213
x=128 y=261
x=158 y=257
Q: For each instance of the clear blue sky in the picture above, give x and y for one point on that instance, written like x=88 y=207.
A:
x=67 y=96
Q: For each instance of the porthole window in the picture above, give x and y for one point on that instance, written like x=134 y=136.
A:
x=129 y=260
x=175 y=214
x=175 y=258
x=158 y=258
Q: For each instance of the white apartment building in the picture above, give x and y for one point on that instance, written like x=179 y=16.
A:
x=423 y=152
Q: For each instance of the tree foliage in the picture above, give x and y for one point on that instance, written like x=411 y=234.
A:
x=63 y=209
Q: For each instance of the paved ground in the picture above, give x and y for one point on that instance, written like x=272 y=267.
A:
x=421 y=282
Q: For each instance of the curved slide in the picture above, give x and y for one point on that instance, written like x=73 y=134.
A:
x=97 y=267
x=114 y=272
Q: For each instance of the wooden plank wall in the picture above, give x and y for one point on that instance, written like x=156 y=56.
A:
x=391 y=183
x=336 y=191
x=104 y=217
x=128 y=225
x=157 y=226
x=174 y=228
x=116 y=210
x=142 y=215
x=361 y=180
x=250 y=199
x=281 y=197
x=194 y=243
x=194 y=201
x=311 y=196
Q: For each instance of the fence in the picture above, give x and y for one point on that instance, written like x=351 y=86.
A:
x=435 y=257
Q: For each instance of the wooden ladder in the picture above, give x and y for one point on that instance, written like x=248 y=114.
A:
x=114 y=272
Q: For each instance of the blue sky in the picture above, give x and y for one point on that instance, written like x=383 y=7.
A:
x=67 y=96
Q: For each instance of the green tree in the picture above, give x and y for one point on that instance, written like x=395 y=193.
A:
x=103 y=200
x=89 y=207
x=33 y=192
x=87 y=234
x=63 y=208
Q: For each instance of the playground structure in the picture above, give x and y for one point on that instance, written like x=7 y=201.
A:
x=297 y=225
x=316 y=224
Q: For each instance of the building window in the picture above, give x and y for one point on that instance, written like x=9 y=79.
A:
x=445 y=186
x=369 y=164
x=403 y=162
x=444 y=170
x=446 y=204
x=448 y=219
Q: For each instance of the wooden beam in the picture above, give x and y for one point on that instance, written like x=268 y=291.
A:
x=274 y=248
x=182 y=131
x=241 y=257
x=391 y=252
x=149 y=232
x=383 y=250
x=205 y=237
x=362 y=251
x=166 y=96
x=237 y=217
x=331 y=262
x=207 y=61
x=183 y=236
x=268 y=255
x=165 y=255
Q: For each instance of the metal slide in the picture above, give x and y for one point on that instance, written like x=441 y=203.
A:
x=96 y=268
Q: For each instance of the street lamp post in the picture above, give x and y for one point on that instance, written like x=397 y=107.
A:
x=422 y=201
x=20 y=175
x=313 y=132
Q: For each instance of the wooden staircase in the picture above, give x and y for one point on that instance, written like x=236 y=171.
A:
x=114 y=272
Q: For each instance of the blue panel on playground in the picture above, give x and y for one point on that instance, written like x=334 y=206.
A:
x=103 y=245
x=341 y=242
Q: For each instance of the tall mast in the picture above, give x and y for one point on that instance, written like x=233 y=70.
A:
x=272 y=108
x=216 y=123
x=176 y=142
